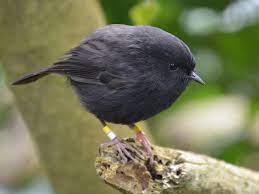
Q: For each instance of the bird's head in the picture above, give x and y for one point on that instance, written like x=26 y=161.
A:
x=172 y=60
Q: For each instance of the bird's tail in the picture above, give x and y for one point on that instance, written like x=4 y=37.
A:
x=31 y=77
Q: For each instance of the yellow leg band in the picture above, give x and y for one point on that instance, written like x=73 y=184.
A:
x=109 y=132
x=106 y=129
x=137 y=129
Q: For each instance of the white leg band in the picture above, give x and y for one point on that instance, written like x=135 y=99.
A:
x=111 y=135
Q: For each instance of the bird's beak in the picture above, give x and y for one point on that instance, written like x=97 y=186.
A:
x=195 y=77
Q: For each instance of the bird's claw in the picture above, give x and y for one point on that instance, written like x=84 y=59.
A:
x=122 y=149
x=140 y=137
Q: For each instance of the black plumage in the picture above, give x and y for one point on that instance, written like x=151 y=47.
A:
x=124 y=74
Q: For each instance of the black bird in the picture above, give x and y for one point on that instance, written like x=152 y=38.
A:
x=125 y=74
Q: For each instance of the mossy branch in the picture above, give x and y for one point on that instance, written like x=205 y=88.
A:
x=175 y=171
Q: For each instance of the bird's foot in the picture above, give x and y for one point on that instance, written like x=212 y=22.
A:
x=140 y=137
x=122 y=148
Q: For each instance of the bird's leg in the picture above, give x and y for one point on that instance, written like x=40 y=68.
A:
x=140 y=136
x=121 y=147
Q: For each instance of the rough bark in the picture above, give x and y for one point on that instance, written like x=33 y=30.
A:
x=174 y=172
x=33 y=35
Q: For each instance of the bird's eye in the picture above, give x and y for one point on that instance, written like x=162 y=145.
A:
x=173 y=67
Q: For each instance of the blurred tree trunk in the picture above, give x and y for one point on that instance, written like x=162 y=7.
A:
x=33 y=35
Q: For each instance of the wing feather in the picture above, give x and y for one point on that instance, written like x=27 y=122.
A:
x=83 y=64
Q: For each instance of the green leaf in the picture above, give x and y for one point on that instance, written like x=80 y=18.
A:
x=144 y=13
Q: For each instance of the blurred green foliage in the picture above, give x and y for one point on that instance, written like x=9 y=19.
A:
x=5 y=111
x=223 y=35
x=116 y=12
x=237 y=153
x=4 y=108
x=1 y=76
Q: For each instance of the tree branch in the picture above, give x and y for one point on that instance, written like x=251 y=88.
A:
x=175 y=171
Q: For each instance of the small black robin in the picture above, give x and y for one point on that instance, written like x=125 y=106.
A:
x=125 y=74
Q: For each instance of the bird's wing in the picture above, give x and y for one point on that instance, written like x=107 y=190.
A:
x=104 y=78
x=85 y=64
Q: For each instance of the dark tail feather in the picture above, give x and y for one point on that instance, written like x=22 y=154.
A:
x=31 y=77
